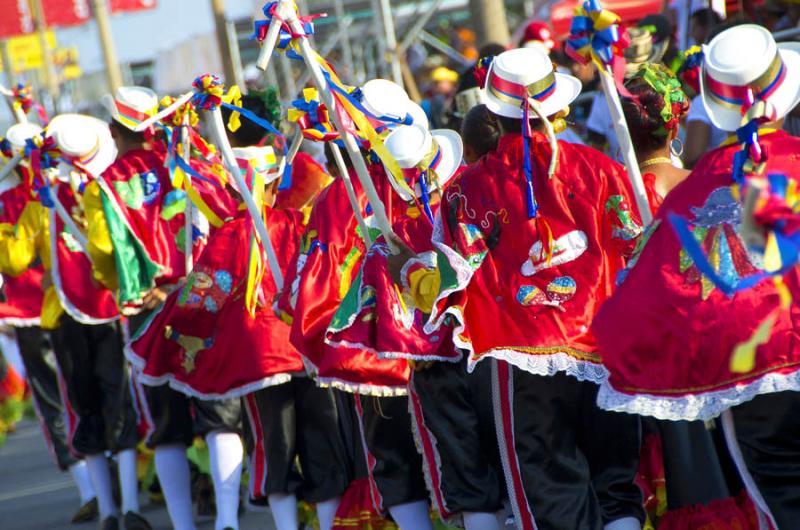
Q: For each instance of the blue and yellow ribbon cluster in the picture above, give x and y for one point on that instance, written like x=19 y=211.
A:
x=595 y=35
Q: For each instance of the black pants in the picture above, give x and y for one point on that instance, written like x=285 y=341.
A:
x=456 y=434
x=768 y=432
x=42 y=376
x=295 y=442
x=96 y=376
x=395 y=465
x=567 y=463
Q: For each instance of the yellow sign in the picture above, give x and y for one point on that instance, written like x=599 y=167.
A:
x=26 y=51
x=66 y=63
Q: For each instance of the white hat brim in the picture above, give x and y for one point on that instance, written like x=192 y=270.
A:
x=567 y=89
x=452 y=150
x=785 y=98
x=107 y=152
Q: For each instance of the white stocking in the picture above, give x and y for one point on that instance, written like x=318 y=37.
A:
x=284 y=511
x=225 y=452
x=172 y=468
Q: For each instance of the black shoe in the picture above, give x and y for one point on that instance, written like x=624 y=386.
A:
x=134 y=521
x=110 y=523
x=87 y=512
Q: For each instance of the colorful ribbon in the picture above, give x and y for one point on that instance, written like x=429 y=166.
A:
x=286 y=36
x=23 y=100
x=595 y=36
x=312 y=117
x=210 y=94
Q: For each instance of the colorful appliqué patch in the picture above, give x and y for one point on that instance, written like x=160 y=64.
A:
x=624 y=227
x=637 y=251
x=715 y=227
x=191 y=347
x=471 y=244
x=131 y=191
x=566 y=248
x=206 y=289
x=151 y=186
x=557 y=292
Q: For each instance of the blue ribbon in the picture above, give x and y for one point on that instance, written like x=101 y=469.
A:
x=533 y=207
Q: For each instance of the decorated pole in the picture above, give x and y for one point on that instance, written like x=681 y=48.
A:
x=596 y=37
x=188 y=231
x=351 y=194
x=10 y=165
x=626 y=145
x=67 y=220
x=221 y=139
x=350 y=144
x=11 y=97
x=297 y=141
x=271 y=38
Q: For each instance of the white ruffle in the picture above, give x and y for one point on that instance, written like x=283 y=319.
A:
x=20 y=322
x=184 y=388
x=363 y=389
x=692 y=407
x=547 y=364
x=391 y=355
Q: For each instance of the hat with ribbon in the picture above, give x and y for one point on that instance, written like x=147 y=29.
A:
x=523 y=80
x=642 y=49
x=131 y=105
x=388 y=102
x=19 y=133
x=83 y=141
x=743 y=69
x=428 y=159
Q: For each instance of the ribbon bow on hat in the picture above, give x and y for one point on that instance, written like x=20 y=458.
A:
x=595 y=36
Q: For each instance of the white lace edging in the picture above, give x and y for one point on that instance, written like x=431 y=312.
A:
x=15 y=322
x=547 y=364
x=184 y=388
x=363 y=389
x=692 y=407
x=390 y=355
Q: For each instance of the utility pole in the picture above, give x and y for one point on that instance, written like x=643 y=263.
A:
x=490 y=22
x=103 y=19
x=220 y=23
x=50 y=76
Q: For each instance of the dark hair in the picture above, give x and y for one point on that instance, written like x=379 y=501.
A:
x=706 y=17
x=514 y=125
x=332 y=162
x=490 y=49
x=127 y=135
x=249 y=133
x=479 y=130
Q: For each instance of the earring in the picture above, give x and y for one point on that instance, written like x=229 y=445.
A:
x=676 y=152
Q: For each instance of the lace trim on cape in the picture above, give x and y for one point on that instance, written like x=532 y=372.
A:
x=692 y=407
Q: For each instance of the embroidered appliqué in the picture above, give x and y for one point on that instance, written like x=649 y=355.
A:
x=206 y=289
x=716 y=229
x=191 y=347
x=557 y=292
x=637 y=251
x=131 y=191
x=625 y=228
x=151 y=186
x=566 y=248
x=471 y=243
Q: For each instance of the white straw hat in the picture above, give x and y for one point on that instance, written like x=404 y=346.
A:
x=516 y=75
x=413 y=145
x=747 y=57
x=85 y=141
x=131 y=105
x=382 y=97
x=17 y=134
x=261 y=159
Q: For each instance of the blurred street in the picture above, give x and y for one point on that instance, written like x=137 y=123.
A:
x=35 y=496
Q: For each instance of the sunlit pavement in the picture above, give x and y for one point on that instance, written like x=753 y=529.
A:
x=34 y=495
